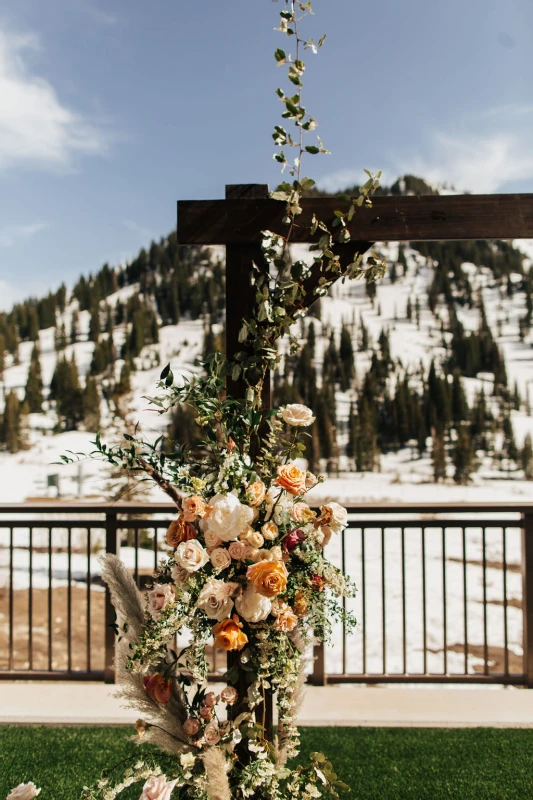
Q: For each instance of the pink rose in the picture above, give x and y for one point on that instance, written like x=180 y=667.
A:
x=191 y=726
x=158 y=788
x=292 y=541
x=161 y=596
x=210 y=700
x=206 y=713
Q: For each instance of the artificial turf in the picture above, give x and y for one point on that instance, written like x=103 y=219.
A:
x=378 y=763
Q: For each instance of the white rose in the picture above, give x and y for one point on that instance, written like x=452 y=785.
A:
x=253 y=607
x=161 y=596
x=274 y=554
x=229 y=517
x=24 y=791
x=270 y=530
x=298 y=415
x=255 y=539
x=212 y=540
x=212 y=733
x=340 y=517
x=158 y=788
x=187 y=760
x=214 y=599
x=191 y=555
x=220 y=559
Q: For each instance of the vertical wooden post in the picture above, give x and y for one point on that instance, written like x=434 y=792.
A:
x=240 y=302
x=112 y=545
x=527 y=597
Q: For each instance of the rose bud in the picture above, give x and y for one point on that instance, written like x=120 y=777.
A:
x=191 y=726
x=229 y=695
x=141 y=727
x=210 y=700
x=292 y=541
x=317 y=583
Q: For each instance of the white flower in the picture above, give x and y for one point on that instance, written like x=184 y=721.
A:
x=278 y=505
x=158 y=788
x=220 y=559
x=298 y=415
x=161 y=596
x=255 y=539
x=187 y=760
x=339 y=517
x=212 y=733
x=270 y=530
x=215 y=599
x=24 y=791
x=252 y=606
x=229 y=517
x=191 y=555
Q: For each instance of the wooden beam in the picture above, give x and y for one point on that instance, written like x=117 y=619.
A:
x=422 y=218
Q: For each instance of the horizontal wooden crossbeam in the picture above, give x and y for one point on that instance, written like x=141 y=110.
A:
x=421 y=218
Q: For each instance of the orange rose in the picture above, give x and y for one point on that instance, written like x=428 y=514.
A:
x=228 y=634
x=256 y=492
x=180 y=531
x=291 y=478
x=158 y=688
x=193 y=507
x=269 y=578
x=300 y=606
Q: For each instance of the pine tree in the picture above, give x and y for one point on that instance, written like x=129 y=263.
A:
x=402 y=259
x=409 y=309
x=364 y=339
x=351 y=447
x=75 y=327
x=526 y=458
x=2 y=355
x=94 y=325
x=460 y=411
x=65 y=389
x=60 y=339
x=91 y=405
x=209 y=340
x=34 y=383
x=10 y=430
x=463 y=458
x=124 y=384
x=438 y=455
x=347 y=359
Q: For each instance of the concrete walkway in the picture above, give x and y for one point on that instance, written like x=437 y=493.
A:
x=93 y=704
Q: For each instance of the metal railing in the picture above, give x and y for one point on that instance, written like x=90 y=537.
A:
x=445 y=592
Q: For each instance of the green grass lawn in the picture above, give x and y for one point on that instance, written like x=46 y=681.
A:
x=378 y=763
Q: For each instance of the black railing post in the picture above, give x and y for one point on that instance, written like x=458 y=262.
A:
x=319 y=678
x=112 y=545
x=527 y=597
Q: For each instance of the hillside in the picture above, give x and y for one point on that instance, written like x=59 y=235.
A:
x=424 y=378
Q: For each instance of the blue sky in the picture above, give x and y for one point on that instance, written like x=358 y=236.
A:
x=111 y=110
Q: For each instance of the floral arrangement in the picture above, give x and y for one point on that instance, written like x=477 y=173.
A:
x=246 y=570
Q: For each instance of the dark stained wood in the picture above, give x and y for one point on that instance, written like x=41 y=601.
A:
x=423 y=218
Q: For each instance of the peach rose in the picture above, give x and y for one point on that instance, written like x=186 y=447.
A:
x=220 y=559
x=206 y=712
x=291 y=478
x=193 y=507
x=228 y=634
x=157 y=687
x=269 y=578
x=158 y=788
x=256 y=493
x=238 y=550
x=310 y=480
x=191 y=726
x=212 y=541
x=180 y=531
x=270 y=531
x=300 y=606
x=212 y=734
x=191 y=555
x=286 y=620
x=229 y=695
x=255 y=539
x=300 y=512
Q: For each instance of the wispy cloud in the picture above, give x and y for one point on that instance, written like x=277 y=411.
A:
x=144 y=233
x=11 y=234
x=482 y=154
x=36 y=128
x=97 y=14
x=474 y=162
